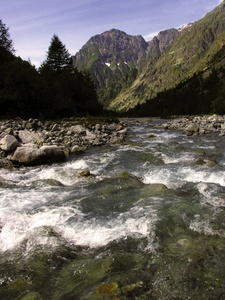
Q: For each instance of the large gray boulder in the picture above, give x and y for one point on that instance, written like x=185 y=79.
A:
x=26 y=137
x=8 y=142
x=53 y=153
x=28 y=155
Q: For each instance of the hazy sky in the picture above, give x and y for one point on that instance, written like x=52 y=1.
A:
x=32 y=23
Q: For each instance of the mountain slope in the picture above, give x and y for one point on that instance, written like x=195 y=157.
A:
x=192 y=51
x=110 y=55
x=113 y=58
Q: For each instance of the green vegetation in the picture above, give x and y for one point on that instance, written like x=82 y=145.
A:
x=56 y=90
x=198 y=95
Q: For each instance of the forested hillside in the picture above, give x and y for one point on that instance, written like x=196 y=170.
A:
x=56 y=90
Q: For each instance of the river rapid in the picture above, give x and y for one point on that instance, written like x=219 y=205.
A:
x=148 y=223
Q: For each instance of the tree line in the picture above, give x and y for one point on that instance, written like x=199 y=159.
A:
x=57 y=89
x=200 y=94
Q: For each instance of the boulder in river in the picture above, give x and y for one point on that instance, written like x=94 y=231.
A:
x=53 y=153
x=28 y=155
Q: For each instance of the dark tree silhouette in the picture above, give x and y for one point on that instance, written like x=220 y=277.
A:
x=58 y=58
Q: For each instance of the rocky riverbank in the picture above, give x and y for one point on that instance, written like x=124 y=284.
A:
x=33 y=142
x=196 y=125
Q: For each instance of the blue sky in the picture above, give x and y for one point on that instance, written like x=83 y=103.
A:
x=32 y=23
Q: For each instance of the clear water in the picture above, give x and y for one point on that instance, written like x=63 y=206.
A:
x=148 y=224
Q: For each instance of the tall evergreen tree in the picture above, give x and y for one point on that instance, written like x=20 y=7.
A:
x=5 y=40
x=58 y=58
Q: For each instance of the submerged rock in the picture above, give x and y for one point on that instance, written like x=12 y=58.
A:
x=32 y=296
x=210 y=162
x=107 y=290
x=85 y=173
x=154 y=189
x=77 y=278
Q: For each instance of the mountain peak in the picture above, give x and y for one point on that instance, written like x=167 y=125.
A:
x=114 y=31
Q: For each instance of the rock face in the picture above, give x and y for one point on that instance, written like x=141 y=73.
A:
x=34 y=143
x=110 y=55
x=161 y=42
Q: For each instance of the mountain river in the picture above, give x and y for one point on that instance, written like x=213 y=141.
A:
x=148 y=223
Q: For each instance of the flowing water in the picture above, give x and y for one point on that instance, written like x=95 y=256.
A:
x=149 y=223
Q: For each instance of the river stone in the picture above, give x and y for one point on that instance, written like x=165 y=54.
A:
x=192 y=127
x=4 y=162
x=78 y=129
x=81 y=274
x=85 y=173
x=123 y=131
x=76 y=149
x=8 y=143
x=28 y=155
x=98 y=127
x=90 y=137
x=207 y=161
x=154 y=189
x=111 y=127
x=53 y=153
x=26 y=137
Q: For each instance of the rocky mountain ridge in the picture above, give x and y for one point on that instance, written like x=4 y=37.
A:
x=114 y=54
x=128 y=71
x=194 y=50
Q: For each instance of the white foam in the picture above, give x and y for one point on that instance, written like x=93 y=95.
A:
x=20 y=227
x=66 y=174
x=95 y=234
x=205 y=227
x=211 y=195
x=92 y=233
x=207 y=176
x=176 y=159
x=177 y=176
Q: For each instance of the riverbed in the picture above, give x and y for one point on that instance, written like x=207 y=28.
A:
x=148 y=222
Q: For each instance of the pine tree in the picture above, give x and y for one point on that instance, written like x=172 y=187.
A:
x=58 y=58
x=5 y=40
